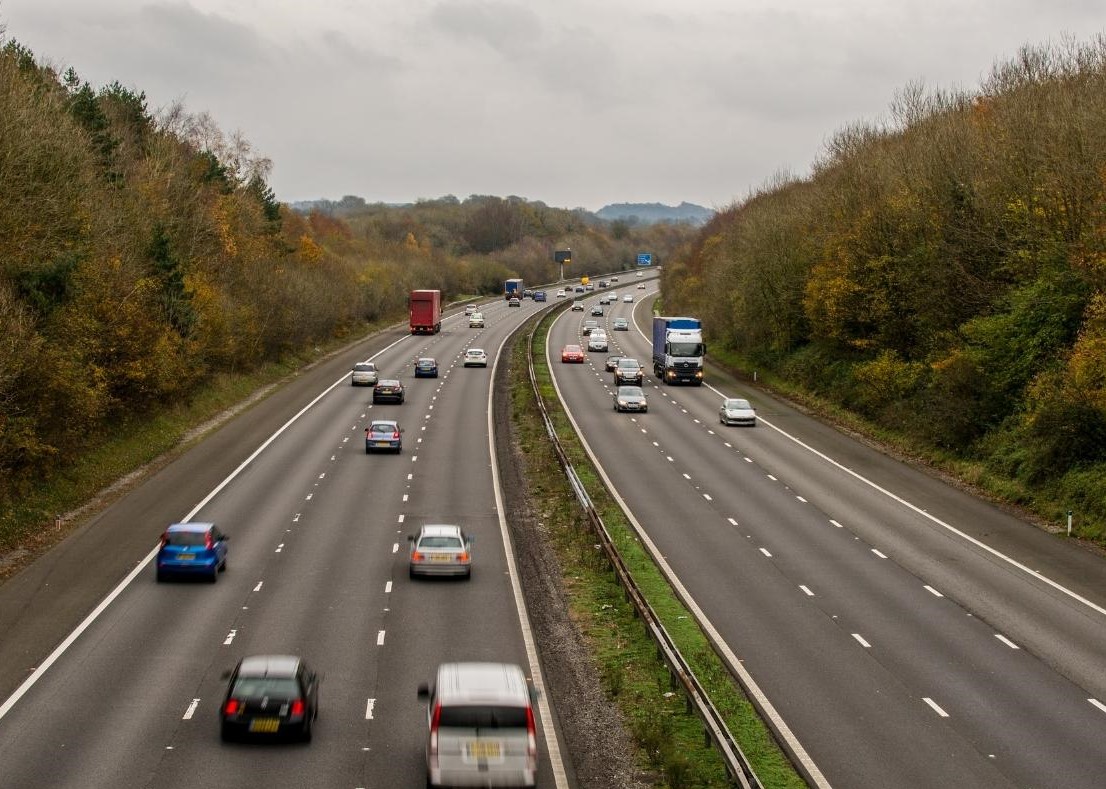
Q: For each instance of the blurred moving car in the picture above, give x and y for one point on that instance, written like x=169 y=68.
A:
x=514 y=301
x=620 y=324
x=383 y=434
x=572 y=353
x=614 y=279
x=589 y=327
x=481 y=727
x=192 y=549
x=364 y=374
x=630 y=398
x=612 y=363
x=641 y=286
x=271 y=695
x=475 y=357
x=426 y=367
x=597 y=341
x=469 y=309
x=737 y=411
x=577 y=306
x=597 y=310
x=476 y=320
x=639 y=274
x=440 y=549
x=629 y=371
x=561 y=294
x=388 y=390
x=539 y=295
x=628 y=298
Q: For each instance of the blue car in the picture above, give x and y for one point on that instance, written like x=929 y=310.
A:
x=192 y=549
x=425 y=367
x=383 y=435
x=539 y=295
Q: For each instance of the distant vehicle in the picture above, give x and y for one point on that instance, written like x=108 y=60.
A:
x=528 y=294
x=481 y=727
x=572 y=353
x=737 y=411
x=364 y=374
x=476 y=320
x=603 y=283
x=612 y=363
x=620 y=324
x=388 y=391
x=440 y=550
x=579 y=289
x=612 y=296
x=513 y=287
x=589 y=327
x=270 y=695
x=614 y=279
x=425 y=367
x=561 y=293
x=638 y=274
x=597 y=341
x=678 y=350
x=630 y=398
x=604 y=300
x=425 y=309
x=197 y=549
x=641 y=286
x=577 y=306
x=514 y=302
x=629 y=371
x=470 y=309
x=539 y=295
x=383 y=435
x=597 y=310
x=628 y=298
x=589 y=286
x=475 y=357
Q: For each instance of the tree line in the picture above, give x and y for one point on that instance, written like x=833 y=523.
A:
x=942 y=273
x=143 y=253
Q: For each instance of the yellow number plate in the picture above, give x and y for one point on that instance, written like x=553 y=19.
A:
x=483 y=749
x=186 y=557
x=265 y=725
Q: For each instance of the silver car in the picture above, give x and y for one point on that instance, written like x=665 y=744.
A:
x=629 y=371
x=475 y=357
x=630 y=398
x=440 y=549
x=364 y=374
x=737 y=411
x=597 y=341
x=481 y=727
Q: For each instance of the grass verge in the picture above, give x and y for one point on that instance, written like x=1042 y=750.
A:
x=670 y=738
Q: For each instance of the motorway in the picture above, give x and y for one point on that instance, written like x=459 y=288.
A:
x=317 y=567
x=907 y=634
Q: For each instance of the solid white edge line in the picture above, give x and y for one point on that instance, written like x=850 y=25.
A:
x=1098 y=704
x=52 y=658
x=552 y=744
x=1006 y=641
x=861 y=641
x=736 y=666
x=933 y=704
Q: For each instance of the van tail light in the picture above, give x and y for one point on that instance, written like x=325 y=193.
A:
x=531 y=734
x=297 y=708
x=435 y=718
x=232 y=707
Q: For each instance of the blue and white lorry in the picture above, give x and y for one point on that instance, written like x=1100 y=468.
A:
x=513 y=288
x=678 y=350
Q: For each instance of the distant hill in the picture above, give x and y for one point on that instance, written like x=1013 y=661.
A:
x=650 y=213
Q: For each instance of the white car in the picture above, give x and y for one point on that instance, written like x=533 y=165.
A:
x=475 y=357
x=737 y=411
x=469 y=309
x=641 y=286
x=561 y=294
x=628 y=298
x=638 y=274
x=597 y=341
x=476 y=320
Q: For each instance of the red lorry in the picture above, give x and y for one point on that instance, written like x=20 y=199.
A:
x=426 y=311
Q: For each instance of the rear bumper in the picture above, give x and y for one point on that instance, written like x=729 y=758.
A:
x=430 y=568
x=197 y=567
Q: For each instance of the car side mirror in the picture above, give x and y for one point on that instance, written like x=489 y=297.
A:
x=424 y=691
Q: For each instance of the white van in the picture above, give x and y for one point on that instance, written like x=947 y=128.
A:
x=480 y=726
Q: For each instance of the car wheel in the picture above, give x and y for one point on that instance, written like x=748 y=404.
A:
x=160 y=576
x=223 y=566
x=214 y=574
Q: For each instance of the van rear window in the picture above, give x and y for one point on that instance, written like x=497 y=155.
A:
x=483 y=716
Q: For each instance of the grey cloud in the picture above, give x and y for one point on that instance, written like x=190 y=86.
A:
x=505 y=28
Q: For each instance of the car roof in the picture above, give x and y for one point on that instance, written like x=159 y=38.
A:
x=195 y=527
x=572 y=347
x=387 y=382
x=425 y=359
x=364 y=366
x=269 y=666
x=482 y=683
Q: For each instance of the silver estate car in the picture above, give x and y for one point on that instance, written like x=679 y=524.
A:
x=364 y=374
x=737 y=411
x=440 y=549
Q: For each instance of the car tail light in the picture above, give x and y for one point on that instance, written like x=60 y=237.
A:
x=434 y=720
x=232 y=707
x=531 y=734
x=463 y=556
x=209 y=541
x=417 y=556
x=395 y=435
x=297 y=708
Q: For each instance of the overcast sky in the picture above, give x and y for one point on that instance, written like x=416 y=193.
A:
x=572 y=102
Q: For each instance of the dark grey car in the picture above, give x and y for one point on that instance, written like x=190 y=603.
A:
x=630 y=398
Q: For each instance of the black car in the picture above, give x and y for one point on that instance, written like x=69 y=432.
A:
x=388 y=391
x=271 y=695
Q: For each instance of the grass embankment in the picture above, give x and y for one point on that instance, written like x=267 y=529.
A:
x=636 y=679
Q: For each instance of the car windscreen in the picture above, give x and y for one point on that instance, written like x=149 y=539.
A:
x=186 y=538
x=260 y=687
x=440 y=542
x=737 y=404
x=482 y=716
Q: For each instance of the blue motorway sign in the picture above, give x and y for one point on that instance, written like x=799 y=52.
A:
x=644 y=259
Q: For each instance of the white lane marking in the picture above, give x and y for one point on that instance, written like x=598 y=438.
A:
x=835 y=523
x=279 y=548
x=727 y=445
x=710 y=432
x=369 y=709
x=188 y=713
x=748 y=459
x=879 y=554
x=401 y=517
x=656 y=444
x=258 y=587
x=800 y=498
x=309 y=495
x=414 y=458
x=1006 y=641
x=707 y=497
x=388 y=585
x=696 y=421
x=323 y=475
x=936 y=708
x=405 y=497
x=380 y=638
x=863 y=643
x=766 y=553
x=297 y=518
x=670 y=460
x=732 y=521
x=332 y=457
x=772 y=478
x=410 y=476
x=687 y=476
x=395 y=547
x=806 y=590
x=230 y=637
x=344 y=440
x=932 y=591
x=1098 y=704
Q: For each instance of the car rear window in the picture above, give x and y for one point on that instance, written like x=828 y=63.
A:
x=439 y=542
x=483 y=716
x=383 y=428
x=364 y=368
x=259 y=687
x=186 y=538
